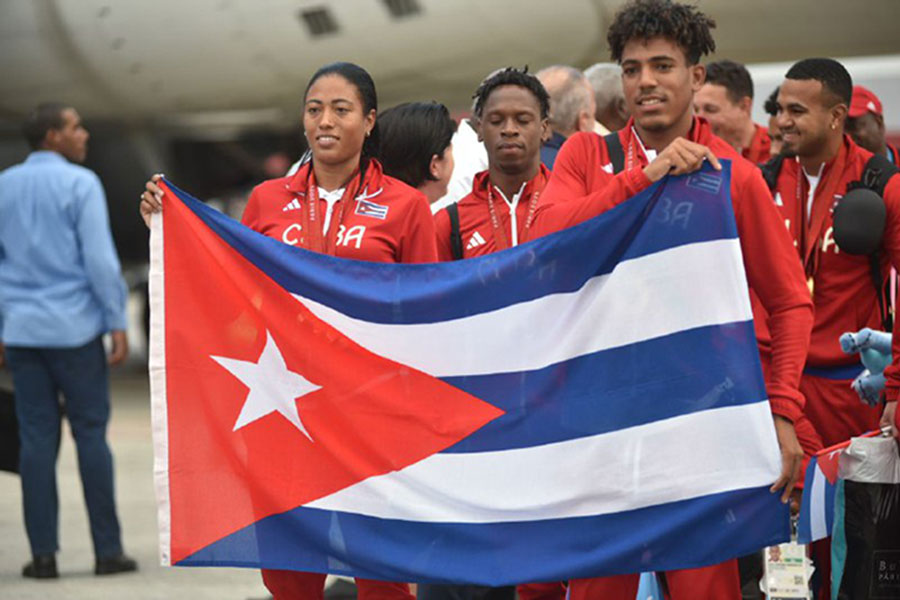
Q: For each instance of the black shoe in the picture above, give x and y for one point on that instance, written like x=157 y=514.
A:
x=116 y=564
x=41 y=567
x=341 y=590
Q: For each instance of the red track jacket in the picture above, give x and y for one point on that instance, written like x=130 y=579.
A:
x=843 y=292
x=387 y=222
x=760 y=148
x=475 y=219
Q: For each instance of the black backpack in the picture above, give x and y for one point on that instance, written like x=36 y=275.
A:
x=876 y=174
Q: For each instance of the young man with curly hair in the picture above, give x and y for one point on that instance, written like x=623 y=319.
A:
x=659 y=43
x=512 y=112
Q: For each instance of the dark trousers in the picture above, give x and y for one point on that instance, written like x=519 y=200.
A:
x=428 y=591
x=80 y=374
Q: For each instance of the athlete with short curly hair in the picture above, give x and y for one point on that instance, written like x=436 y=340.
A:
x=658 y=44
x=512 y=108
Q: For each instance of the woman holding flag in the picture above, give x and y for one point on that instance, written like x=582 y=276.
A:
x=340 y=203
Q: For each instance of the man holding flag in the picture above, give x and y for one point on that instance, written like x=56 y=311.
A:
x=659 y=44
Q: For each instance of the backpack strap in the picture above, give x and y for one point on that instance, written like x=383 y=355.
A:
x=615 y=151
x=456 y=245
x=771 y=169
x=881 y=292
x=876 y=174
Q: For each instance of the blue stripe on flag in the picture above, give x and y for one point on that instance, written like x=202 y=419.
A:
x=816 y=517
x=673 y=536
x=679 y=214
x=618 y=388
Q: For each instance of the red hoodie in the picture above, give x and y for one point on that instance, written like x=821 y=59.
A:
x=583 y=186
x=386 y=221
x=476 y=225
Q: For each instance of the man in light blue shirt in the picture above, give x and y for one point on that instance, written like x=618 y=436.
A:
x=60 y=291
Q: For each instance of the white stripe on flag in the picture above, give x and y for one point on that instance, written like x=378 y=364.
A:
x=666 y=292
x=676 y=459
x=157 y=367
x=818 y=523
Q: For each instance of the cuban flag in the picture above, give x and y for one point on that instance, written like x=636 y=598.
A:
x=820 y=484
x=816 y=518
x=371 y=209
x=588 y=403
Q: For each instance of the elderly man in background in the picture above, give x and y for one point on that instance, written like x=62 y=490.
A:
x=571 y=107
x=611 y=112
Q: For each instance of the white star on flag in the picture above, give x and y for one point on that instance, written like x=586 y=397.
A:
x=273 y=388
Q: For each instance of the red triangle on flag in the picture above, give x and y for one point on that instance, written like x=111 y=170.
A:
x=369 y=415
x=828 y=464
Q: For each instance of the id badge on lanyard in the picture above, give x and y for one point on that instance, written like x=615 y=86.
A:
x=787 y=570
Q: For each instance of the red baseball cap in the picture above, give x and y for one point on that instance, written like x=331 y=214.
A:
x=864 y=101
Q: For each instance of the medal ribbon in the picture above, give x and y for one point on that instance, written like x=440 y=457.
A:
x=314 y=238
x=825 y=191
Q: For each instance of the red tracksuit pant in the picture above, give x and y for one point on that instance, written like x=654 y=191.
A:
x=716 y=582
x=835 y=410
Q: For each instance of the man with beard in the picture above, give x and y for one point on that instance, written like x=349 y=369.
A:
x=822 y=163
x=812 y=107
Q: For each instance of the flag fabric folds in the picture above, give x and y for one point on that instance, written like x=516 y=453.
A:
x=588 y=403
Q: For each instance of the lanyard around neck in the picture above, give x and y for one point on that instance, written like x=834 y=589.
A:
x=315 y=239
x=500 y=239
